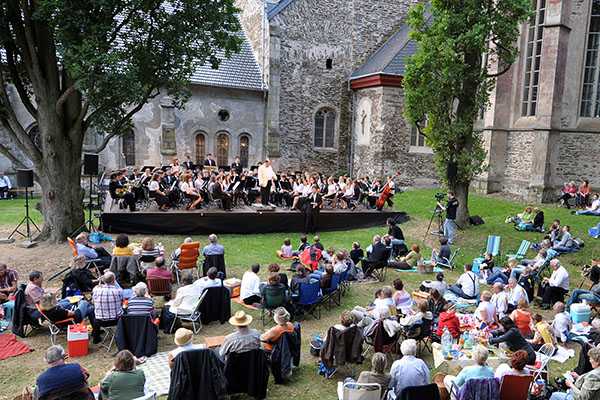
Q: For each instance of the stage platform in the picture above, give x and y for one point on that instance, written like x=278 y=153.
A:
x=243 y=220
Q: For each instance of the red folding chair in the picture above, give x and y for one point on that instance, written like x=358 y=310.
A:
x=159 y=286
x=515 y=387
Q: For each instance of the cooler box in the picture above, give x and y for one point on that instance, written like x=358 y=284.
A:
x=233 y=285
x=580 y=313
x=77 y=340
x=477 y=265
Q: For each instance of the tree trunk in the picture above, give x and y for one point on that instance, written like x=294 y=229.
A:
x=461 y=191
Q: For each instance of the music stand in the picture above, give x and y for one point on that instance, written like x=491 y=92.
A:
x=28 y=222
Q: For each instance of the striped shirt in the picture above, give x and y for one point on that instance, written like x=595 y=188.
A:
x=108 y=302
x=140 y=306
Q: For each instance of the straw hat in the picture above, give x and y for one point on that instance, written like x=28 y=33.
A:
x=281 y=316
x=183 y=336
x=240 y=318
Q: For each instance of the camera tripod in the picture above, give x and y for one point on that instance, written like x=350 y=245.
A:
x=437 y=216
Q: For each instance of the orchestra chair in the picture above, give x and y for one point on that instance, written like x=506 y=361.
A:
x=188 y=259
x=55 y=327
x=159 y=287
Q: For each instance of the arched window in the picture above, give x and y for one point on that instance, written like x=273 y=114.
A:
x=244 y=150
x=325 y=128
x=200 y=148
x=533 y=59
x=129 y=147
x=222 y=149
x=590 y=97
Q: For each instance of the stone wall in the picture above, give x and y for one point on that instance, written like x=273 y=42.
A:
x=385 y=149
x=578 y=158
x=200 y=115
x=518 y=162
x=253 y=20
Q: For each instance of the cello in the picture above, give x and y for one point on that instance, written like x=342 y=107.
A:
x=385 y=195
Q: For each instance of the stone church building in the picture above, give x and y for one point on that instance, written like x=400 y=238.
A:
x=318 y=86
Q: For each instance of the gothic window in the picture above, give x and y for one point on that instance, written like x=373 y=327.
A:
x=244 y=150
x=128 y=142
x=222 y=149
x=533 y=59
x=590 y=97
x=416 y=139
x=324 y=128
x=200 y=147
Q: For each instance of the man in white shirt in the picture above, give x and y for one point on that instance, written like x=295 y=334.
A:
x=186 y=296
x=210 y=280
x=561 y=325
x=250 y=287
x=516 y=292
x=555 y=287
x=594 y=209
x=5 y=186
x=500 y=300
x=467 y=285
x=266 y=175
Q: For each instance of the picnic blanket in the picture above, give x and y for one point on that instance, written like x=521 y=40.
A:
x=239 y=301
x=158 y=373
x=10 y=346
x=414 y=269
x=563 y=354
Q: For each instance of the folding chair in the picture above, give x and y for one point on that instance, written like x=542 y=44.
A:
x=493 y=245
x=344 y=283
x=273 y=298
x=55 y=327
x=521 y=251
x=159 y=286
x=89 y=263
x=515 y=387
x=188 y=259
x=333 y=293
x=110 y=327
x=310 y=298
x=359 y=391
x=193 y=317
x=543 y=355
x=447 y=262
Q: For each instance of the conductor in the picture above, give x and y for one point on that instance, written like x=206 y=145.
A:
x=311 y=210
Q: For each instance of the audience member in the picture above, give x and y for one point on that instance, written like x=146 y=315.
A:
x=542 y=333
x=243 y=339
x=553 y=289
x=518 y=361
x=516 y=293
x=8 y=282
x=448 y=320
x=566 y=243
x=593 y=209
x=177 y=252
x=283 y=325
x=467 y=285
x=567 y=193
x=356 y=254
x=561 y=324
x=34 y=292
x=124 y=381
x=122 y=246
x=184 y=341
x=583 y=194
x=159 y=271
x=410 y=260
x=213 y=248
x=377 y=373
x=417 y=317
x=407 y=371
x=56 y=312
x=79 y=279
x=439 y=284
x=378 y=256
x=186 y=296
x=586 y=386
x=591 y=296
x=522 y=318
x=108 y=299
x=60 y=377
x=250 y=287
x=286 y=250
x=486 y=312
x=435 y=303
x=317 y=243
x=395 y=232
x=90 y=252
x=444 y=253
x=478 y=371
x=141 y=303
x=402 y=299
x=510 y=335
x=500 y=299
x=210 y=280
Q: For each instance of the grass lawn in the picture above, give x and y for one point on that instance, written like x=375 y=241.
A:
x=242 y=250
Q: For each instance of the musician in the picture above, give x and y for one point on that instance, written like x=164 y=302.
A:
x=349 y=195
x=187 y=188
x=331 y=191
x=210 y=162
x=169 y=179
x=218 y=193
x=188 y=164
x=157 y=194
x=175 y=167
x=311 y=209
x=146 y=177
x=285 y=190
x=252 y=188
x=374 y=193
x=392 y=188
x=237 y=166
x=266 y=176
x=117 y=190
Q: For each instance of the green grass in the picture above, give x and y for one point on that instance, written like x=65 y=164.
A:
x=243 y=250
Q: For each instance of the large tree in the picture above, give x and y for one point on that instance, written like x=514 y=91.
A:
x=76 y=65
x=462 y=46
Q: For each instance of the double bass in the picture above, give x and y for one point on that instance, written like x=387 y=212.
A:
x=385 y=195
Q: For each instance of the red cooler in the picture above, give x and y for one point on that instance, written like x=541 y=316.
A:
x=77 y=340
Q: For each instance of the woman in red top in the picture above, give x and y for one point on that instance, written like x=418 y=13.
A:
x=449 y=320
x=583 y=195
x=522 y=318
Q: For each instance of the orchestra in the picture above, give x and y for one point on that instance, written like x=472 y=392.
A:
x=192 y=186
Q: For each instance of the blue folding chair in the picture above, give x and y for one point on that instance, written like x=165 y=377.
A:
x=332 y=293
x=523 y=249
x=493 y=245
x=310 y=298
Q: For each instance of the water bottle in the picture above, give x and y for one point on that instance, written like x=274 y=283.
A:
x=468 y=341
x=446 y=342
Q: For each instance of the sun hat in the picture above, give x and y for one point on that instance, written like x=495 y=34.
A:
x=240 y=318
x=183 y=336
x=281 y=316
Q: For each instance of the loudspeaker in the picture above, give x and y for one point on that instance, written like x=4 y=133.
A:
x=90 y=164
x=25 y=178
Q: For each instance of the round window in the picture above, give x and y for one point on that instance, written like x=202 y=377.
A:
x=223 y=115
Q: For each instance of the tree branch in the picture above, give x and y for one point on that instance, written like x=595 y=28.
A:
x=63 y=97
x=497 y=74
x=19 y=85
x=5 y=151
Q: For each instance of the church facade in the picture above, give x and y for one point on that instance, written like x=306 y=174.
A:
x=318 y=87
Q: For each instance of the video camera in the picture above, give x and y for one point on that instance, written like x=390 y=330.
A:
x=439 y=196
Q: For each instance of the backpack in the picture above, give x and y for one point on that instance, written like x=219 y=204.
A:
x=476 y=220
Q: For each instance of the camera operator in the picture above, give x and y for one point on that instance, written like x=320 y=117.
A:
x=449 y=223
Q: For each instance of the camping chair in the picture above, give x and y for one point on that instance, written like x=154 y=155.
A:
x=193 y=317
x=273 y=297
x=333 y=292
x=344 y=282
x=447 y=262
x=380 y=341
x=486 y=386
x=92 y=263
x=543 y=355
x=493 y=245
x=110 y=329
x=55 y=327
x=217 y=261
x=429 y=392
x=159 y=286
x=359 y=391
x=188 y=258
x=514 y=387
x=421 y=333
x=520 y=254
x=309 y=298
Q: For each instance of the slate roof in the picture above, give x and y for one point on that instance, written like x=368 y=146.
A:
x=240 y=71
x=391 y=58
x=275 y=8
